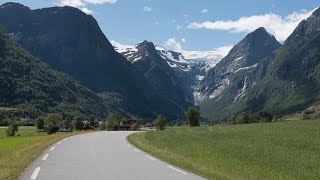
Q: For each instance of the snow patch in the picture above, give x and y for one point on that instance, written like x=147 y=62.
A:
x=253 y=66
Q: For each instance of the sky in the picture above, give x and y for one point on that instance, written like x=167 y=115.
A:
x=185 y=25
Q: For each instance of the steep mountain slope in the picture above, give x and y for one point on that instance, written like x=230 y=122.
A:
x=287 y=81
x=33 y=87
x=190 y=66
x=71 y=41
x=246 y=54
x=228 y=81
x=163 y=78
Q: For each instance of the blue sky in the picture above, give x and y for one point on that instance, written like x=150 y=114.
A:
x=188 y=24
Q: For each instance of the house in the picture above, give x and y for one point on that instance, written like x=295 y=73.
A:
x=126 y=125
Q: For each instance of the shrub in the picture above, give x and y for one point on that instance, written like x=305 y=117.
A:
x=265 y=117
x=103 y=126
x=40 y=122
x=10 y=131
x=160 y=122
x=52 y=123
x=135 y=126
x=192 y=116
x=78 y=123
x=178 y=123
x=51 y=128
x=113 y=121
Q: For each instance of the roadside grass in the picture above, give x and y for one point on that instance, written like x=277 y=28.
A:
x=16 y=153
x=284 y=150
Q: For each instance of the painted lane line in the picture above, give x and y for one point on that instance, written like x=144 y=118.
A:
x=150 y=157
x=35 y=173
x=129 y=145
x=65 y=139
x=136 y=150
x=125 y=142
x=52 y=148
x=177 y=169
x=59 y=142
x=45 y=157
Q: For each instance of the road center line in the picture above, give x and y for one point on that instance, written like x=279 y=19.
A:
x=59 y=142
x=35 y=173
x=137 y=150
x=177 y=169
x=52 y=148
x=150 y=157
x=45 y=157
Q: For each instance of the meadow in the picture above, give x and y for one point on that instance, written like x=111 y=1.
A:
x=16 y=153
x=282 y=150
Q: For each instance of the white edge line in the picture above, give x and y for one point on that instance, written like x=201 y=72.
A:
x=129 y=145
x=52 y=148
x=35 y=173
x=150 y=157
x=45 y=157
x=137 y=150
x=177 y=170
x=59 y=143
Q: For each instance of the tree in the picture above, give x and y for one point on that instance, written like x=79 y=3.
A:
x=78 y=123
x=192 y=116
x=68 y=123
x=135 y=126
x=93 y=121
x=265 y=116
x=113 y=121
x=40 y=122
x=52 y=123
x=160 y=122
x=12 y=128
x=178 y=122
x=103 y=126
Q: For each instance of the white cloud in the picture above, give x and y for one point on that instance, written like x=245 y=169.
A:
x=147 y=9
x=280 y=27
x=100 y=1
x=173 y=44
x=204 y=11
x=81 y=4
x=183 y=40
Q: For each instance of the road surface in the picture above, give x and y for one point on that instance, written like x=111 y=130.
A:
x=101 y=155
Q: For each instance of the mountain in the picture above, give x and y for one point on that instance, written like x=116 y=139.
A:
x=286 y=81
x=190 y=66
x=34 y=88
x=72 y=42
x=163 y=78
x=226 y=82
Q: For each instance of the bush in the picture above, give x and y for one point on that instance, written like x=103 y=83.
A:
x=10 y=131
x=160 y=122
x=40 y=122
x=135 y=126
x=178 y=123
x=192 y=116
x=52 y=123
x=113 y=121
x=78 y=123
x=103 y=126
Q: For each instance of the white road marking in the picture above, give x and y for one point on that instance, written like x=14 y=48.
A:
x=45 y=157
x=137 y=150
x=125 y=142
x=59 y=142
x=177 y=169
x=35 y=173
x=65 y=139
x=129 y=145
x=150 y=157
x=52 y=148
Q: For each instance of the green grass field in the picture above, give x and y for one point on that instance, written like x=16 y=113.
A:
x=16 y=153
x=284 y=150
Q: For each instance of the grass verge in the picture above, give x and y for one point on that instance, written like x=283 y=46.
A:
x=285 y=150
x=16 y=153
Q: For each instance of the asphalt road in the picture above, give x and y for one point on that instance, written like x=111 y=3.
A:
x=101 y=155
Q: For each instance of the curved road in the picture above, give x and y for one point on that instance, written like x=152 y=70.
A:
x=101 y=155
